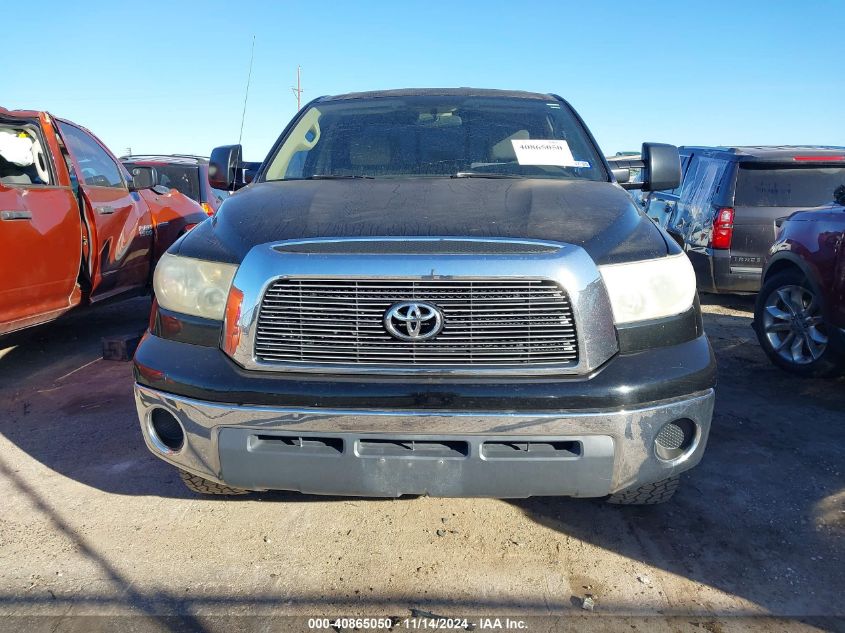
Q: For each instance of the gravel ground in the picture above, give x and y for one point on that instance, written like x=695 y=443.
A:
x=91 y=523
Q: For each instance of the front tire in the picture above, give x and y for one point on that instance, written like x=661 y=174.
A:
x=647 y=494
x=789 y=323
x=202 y=486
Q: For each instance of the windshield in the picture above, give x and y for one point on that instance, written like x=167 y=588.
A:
x=437 y=136
x=795 y=187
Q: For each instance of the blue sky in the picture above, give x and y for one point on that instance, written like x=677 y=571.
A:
x=170 y=76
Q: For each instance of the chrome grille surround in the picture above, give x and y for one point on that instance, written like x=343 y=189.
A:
x=487 y=322
x=454 y=246
x=563 y=271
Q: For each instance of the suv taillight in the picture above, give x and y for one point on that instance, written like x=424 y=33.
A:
x=723 y=228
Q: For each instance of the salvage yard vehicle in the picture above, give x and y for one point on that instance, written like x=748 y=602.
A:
x=438 y=292
x=75 y=228
x=187 y=174
x=627 y=168
x=800 y=313
x=725 y=212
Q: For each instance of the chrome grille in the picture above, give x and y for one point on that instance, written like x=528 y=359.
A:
x=488 y=322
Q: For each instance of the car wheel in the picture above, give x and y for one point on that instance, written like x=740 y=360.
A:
x=789 y=322
x=197 y=484
x=647 y=494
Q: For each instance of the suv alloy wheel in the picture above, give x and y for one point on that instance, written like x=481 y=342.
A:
x=789 y=322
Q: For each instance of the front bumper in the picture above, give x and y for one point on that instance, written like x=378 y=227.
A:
x=581 y=453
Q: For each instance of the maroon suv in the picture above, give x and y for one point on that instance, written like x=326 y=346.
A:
x=800 y=312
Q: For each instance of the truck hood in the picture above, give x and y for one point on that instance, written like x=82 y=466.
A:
x=598 y=216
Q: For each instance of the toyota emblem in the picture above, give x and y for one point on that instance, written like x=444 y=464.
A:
x=413 y=321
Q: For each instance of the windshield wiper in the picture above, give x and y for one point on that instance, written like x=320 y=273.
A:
x=335 y=177
x=481 y=174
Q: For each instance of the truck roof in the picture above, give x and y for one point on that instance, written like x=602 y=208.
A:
x=32 y=114
x=748 y=153
x=441 y=92
x=28 y=114
x=170 y=159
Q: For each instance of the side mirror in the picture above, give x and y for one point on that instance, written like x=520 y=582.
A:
x=141 y=178
x=627 y=171
x=250 y=171
x=621 y=175
x=662 y=165
x=225 y=167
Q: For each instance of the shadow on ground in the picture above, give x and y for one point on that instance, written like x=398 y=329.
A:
x=760 y=518
x=763 y=515
x=47 y=352
x=75 y=413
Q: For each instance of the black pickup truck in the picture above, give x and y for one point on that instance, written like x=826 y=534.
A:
x=439 y=292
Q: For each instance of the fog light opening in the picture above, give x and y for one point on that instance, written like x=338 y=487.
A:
x=675 y=439
x=165 y=431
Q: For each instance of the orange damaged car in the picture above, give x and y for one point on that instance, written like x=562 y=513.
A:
x=75 y=226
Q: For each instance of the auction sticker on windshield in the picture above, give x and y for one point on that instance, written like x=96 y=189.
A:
x=545 y=152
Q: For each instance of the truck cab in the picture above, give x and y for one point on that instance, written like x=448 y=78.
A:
x=75 y=226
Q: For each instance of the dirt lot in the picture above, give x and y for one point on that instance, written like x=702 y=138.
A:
x=91 y=523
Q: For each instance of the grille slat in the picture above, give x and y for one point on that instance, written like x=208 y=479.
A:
x=387 y=343
x=282 y=304
x=444 y=290
x=490 y=285
x=332 y=312
x=329 y=350
x=486 y=323
x=451 y=338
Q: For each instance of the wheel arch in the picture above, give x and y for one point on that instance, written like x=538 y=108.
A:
x=789 y=261
x=784 y=263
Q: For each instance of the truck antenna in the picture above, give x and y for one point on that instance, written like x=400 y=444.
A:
x=246 y=93
x=298 y=90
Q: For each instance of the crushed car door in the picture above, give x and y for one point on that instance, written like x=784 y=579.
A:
x=693 y=216
x=122 y=246
x=40 y=227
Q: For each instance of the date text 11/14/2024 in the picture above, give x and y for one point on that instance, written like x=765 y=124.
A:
x=418 y=623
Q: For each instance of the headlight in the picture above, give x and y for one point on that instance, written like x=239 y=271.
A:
x=193 y=286
x=649 y=289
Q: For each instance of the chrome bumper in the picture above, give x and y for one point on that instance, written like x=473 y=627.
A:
x=371 y=453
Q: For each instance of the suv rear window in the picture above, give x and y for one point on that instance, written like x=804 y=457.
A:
x=787 y=187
